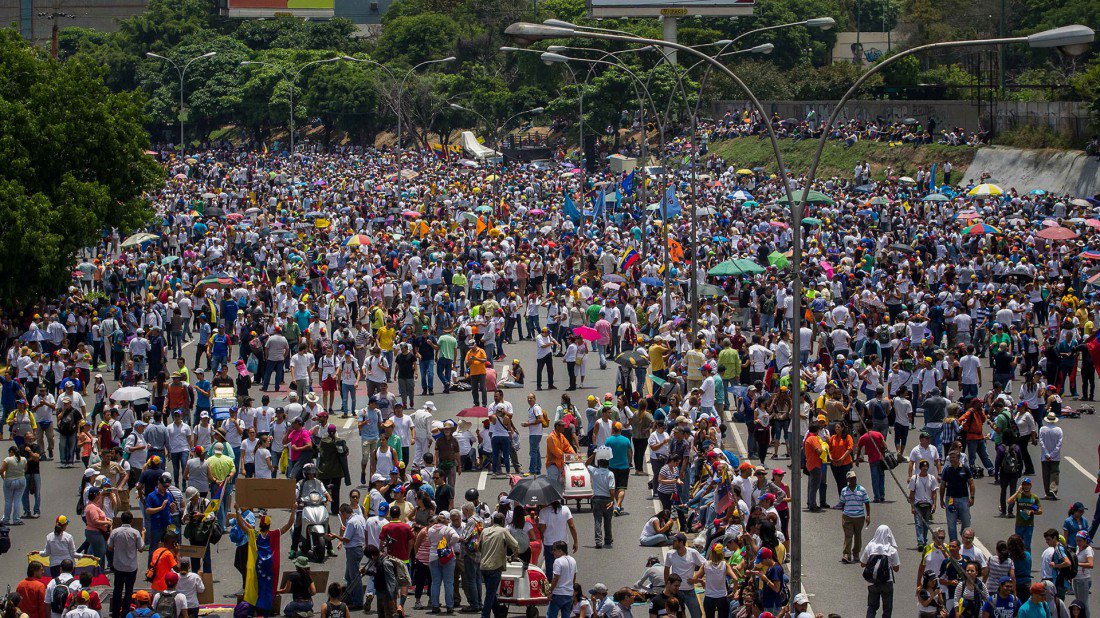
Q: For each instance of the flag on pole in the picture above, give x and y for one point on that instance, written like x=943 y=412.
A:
x=628 y=184
x=932 y=179
x=675 y=251
x=630 y=256
x=600 y=205
x=670 y=206
x=482 y=225
x=570 y=209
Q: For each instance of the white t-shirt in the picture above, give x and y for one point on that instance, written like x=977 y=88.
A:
x=684 y=566
x=929 y=454
x=1083 y=555
x=401 y=426
x=566 y=570
x=534 y=415
x=969 y=365
x=557 y=525
x=300 y=364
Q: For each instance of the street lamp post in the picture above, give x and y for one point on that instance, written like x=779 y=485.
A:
x=398 y=149
x=498 y=134
x=293 y=78
x=182 y=71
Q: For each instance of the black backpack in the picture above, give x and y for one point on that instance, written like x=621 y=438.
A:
x=60 y=598
x=1011 y=433
x=1011 y=465
x=1066 y=574
x=877 y=570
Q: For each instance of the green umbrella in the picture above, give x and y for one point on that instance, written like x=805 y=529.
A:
x=777 y=259
x=815 y=197
x=710 y=291
x=935 y=197
x=724 y=269
x=880 y=201
x=484 y=209
x=811 y=221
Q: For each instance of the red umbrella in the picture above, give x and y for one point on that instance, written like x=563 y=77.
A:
x=1093 y=223
x=587 y=333
x=1056 y=233
x=475 y=412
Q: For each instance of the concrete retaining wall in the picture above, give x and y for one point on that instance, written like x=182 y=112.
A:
x=1058 y=171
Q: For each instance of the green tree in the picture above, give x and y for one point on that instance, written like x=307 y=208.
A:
x=70 y=170
x=344 y=96
x=414 y=39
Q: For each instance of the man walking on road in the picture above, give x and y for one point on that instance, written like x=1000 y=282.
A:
x=956 y=495
x=882 y=554
x=855 y=515
x=1050 y=446
x=496 y=543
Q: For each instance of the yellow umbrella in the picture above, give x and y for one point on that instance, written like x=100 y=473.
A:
x=985 y=190
x=321 y=223
x=744 y=172
x=491 y=177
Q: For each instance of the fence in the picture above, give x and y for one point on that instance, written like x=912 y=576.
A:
x=1070 y=118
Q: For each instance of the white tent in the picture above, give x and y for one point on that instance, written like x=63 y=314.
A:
x=474 y=149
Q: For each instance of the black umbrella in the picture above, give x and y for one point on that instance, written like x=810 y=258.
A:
x=535 y=491
x=900 y=246
x=633 y=358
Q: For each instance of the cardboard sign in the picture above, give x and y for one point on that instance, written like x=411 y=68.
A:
x=265 y=493
x=206 y=597
x=192 y=551
x=320 y=579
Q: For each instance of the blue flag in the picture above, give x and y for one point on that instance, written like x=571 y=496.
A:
x=670 y=206
x=600 y=205
x=932 y=179
x=628 y=184
x=570 y=209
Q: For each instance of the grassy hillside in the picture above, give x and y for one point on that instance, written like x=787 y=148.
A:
x=838 y=160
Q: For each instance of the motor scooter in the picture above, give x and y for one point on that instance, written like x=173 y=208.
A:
x=314 y=527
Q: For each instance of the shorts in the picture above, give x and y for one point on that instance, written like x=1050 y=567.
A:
x=622 y=478
x=328 y=385
x=369 y=447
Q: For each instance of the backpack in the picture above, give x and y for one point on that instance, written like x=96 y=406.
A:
x=1066 y=574
x=166 y=605
x=400 y=571
x=1011 y=433
x=1010 y=464
x=60 y=598
x=877 y=570
x=67 y=425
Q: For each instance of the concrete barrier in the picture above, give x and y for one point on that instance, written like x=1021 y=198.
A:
x=1058 y=171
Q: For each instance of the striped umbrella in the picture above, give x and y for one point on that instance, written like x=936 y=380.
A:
x=1090 y=254
x=980 y=228
x=357 y=240
x=985 y=191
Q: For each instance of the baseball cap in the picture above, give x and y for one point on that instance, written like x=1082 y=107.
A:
x=851 y=474
x=680 y=536
x=801 y=598
x=598 y=589
x=779 y=472
x=377 y=477
x=1004 y=580
x=1026 y=480
x=1038 y=588
x=141 y=596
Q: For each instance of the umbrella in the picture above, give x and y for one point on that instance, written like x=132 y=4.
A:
x=139 y=238
x=815 y=197
x=984 y=191
x=208 y=196
x=980 y=228
x=536 y=212
x=535 y=491
x=898 y=246
x=1090 y=255
x=711 y=291
x=1057 y=233
x=935 y=197
x=234 y=217
x=740 y=196
x=484 y=209
x=357 y=240
x=654 y=281
x=633 y=358
x=180 y=176
x=744 y=172
x=214 y=211
x=878 y=200
x=130 y=393
x=1038 y=192
x=811 y=221
x=34 y=334
x=412 y=214
x=613 y=278
x=777 y=259
x=907 y=180
x=1083 y=203
x=909 y=121
x=474 y=412
x=216 y=280
x=611 y=286
x=1093 y=223
x=169 y=259
x=779 y=224
x=751 y=204
x=741 y=266
x=864 y=188
x=587 y=333
x=967 y=215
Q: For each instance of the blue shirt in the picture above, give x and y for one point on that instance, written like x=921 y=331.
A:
x=998 y=607
x=603 y=481
x=854 y=501
x=219 y=344
x=620 y=452
x=1072 y=526
x=160 y=519
x=202 y=401
x=373 y=418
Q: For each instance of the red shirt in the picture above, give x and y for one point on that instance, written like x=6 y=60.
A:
x=873 y=445
x=396 y=539
x=32 y=595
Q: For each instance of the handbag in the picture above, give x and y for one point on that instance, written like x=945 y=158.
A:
x=151 y=572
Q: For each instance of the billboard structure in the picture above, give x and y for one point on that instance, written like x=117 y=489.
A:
x=310 y=9
x=669 y=8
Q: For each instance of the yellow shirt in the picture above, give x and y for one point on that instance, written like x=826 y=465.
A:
x=386 y=335
x=657 y=357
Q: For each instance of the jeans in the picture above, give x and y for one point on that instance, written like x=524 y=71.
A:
x=179 y=461
x=502 y=448
x=347 y=391
x=883 y=593
x=277 y=368
x=603 y=516
x=13 y=498
x=36 y=479
x=958 y=516
x=1025 y=533
x=68 y=448
x=690 y=602
x=123 y=589
x=560 y=605
x=978 y=446
x=427 y=376
x=654 y=540
x=97 y=545
x=492 y=586
x=1081 y=590
x=878 y=480
x=354 y=594
x=937 y=436
x=921 y=519
x=153 y=537
x=442 y=574
x=471 y=580
x=535 y=465
x=815 y=477
x=443 y=370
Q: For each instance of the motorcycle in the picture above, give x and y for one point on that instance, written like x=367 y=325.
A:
x=314 y=527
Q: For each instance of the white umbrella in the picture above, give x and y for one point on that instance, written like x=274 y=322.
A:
x=208 y=196
x=137 y=239
x=130 y=393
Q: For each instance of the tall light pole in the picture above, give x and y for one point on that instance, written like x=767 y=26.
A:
x=498 y=134
x=182 y=71
x=1069 y=39
x=401 y=83
x=292 y=79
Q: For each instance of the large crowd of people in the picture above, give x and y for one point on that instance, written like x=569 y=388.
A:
x=949 y=328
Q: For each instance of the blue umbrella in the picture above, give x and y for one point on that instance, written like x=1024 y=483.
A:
x=719 y=239
x=654 y=281
x=35 y=334
x=1038 y=192
x=739 y=195
x=864 y=188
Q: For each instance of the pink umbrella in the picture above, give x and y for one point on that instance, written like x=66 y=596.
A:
x=1057 y=232
x=536 y=211
x=1093 y=223
x=412 y=214
x=779 y=224
x=587 y=333
x=828 y=268
x=474 y=412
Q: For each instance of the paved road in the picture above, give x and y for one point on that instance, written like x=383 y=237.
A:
x=833 y=587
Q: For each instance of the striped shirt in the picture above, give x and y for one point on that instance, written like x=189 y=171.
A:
x=853 y=501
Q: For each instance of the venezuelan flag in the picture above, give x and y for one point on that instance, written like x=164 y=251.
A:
x=630 y=256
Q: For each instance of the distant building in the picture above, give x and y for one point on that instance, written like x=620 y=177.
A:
x=863 y=48
x=35 y=18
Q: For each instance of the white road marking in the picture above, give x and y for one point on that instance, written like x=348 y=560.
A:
x=481 y=480
x=741 y=450
x=1089 y=475
x=349 y=423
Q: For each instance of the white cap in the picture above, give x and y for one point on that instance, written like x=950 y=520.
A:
x=801 y=598
x=377 y=477
x=428 y=405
